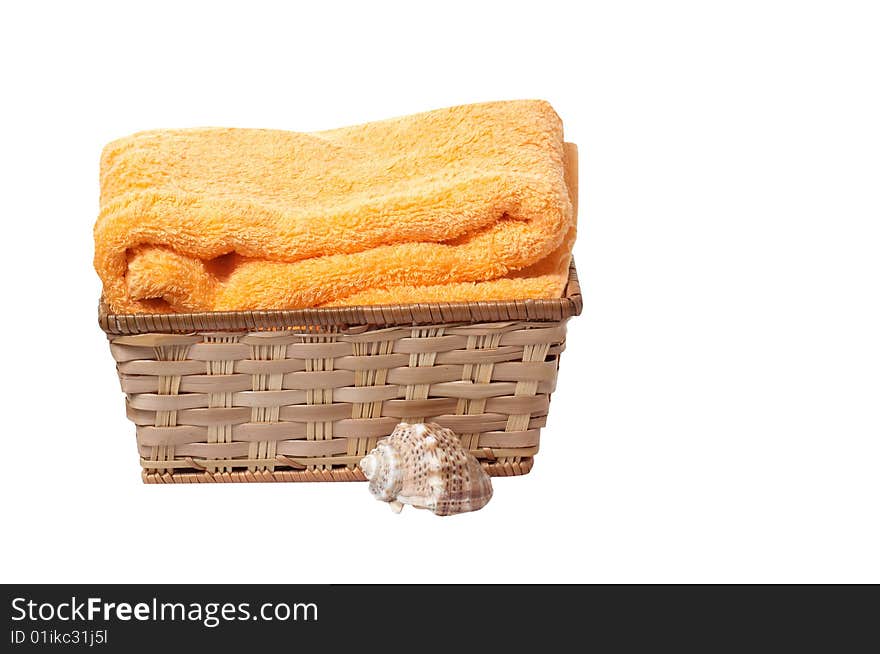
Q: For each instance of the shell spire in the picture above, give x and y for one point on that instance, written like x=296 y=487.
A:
x=426 y=466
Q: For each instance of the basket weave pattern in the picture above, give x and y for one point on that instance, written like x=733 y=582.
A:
x=305 y=403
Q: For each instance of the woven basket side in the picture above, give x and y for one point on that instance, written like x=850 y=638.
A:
x=308 y=404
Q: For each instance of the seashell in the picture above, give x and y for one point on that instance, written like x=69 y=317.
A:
x=426 y=466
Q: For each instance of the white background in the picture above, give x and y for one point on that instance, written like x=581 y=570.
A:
x=718 y=409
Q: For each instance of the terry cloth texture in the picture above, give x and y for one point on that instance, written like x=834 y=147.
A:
x=459 y=204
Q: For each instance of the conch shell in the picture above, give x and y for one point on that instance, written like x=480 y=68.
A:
x=426 y=466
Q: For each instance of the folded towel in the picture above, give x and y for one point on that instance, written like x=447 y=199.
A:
x=465 y=203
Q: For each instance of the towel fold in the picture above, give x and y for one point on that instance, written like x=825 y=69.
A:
x=465 y=203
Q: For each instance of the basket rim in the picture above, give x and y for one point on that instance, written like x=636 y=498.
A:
x=380 y=315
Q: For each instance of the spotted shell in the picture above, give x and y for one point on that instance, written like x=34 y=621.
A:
x=426 y=466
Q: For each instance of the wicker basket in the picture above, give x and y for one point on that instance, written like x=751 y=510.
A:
x=302 y=395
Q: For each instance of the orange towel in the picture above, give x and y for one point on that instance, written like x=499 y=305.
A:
x=465 y=203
